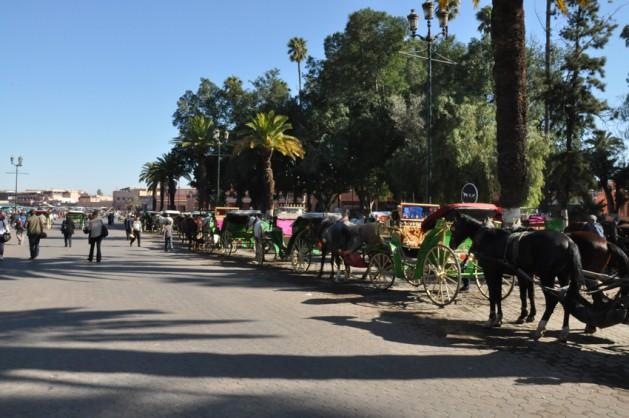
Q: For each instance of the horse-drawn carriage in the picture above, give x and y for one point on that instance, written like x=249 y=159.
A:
x=220 y=212
x=418 y=252
x=237 y=230
x=304 y=241
x=78 y=217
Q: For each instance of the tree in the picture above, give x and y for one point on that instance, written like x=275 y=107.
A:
x=572 y=102
x=507 y=36
x=196 y=138
x=267 y=135
x=99 y=192
x=603 y=151
x=297 y=52
x=149 y=175
x=171 y=167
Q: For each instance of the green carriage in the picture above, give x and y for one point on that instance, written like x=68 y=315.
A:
x=78 y=217
x=237 y=230
x=430 y=262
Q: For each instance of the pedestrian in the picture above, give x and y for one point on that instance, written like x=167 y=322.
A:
x=136 y=231
x=97 y=231
x=67 y=229
x=127 y=226
x=595 y=227
x=35 y=232
x=20 y=226
x=5 y=233
x=168 y=235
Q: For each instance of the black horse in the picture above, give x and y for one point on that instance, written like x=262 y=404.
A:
x=597 y=255
x=338 y=238
x=549 y=255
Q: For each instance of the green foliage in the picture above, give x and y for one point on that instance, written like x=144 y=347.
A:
x=572 y=100
x=268 y=132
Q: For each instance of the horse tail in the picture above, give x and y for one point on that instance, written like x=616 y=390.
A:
x=619 y=259
x=576 y=267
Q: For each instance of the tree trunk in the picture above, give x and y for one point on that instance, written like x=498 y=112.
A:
x=202 y=184
x=172 y=190
x=507 y=35
x=609 y=197
x=154 y=196
x=162 y=192
x=299 y=78
x=547 y=67
x=269 y=183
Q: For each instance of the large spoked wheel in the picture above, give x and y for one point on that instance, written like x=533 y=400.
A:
x=227 y=245
x=508 y=282
x=380 y=273
x=441 y=275
x=259 y=249
x=301 y=256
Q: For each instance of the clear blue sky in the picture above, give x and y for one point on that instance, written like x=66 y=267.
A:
x=87 y=88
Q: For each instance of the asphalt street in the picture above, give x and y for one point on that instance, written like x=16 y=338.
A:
x=153 y=334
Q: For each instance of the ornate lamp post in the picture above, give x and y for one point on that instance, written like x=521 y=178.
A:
x=413 y=23
x=17 y=162
x=217 y=138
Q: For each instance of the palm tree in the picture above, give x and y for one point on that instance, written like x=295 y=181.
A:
x=174 y=168
x=297 y=52
x=507 y=35
x=149 y=176
x=267 y=134
x=197 y=138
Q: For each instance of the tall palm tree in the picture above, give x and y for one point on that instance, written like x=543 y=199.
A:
x=508 y=45
x=149 y=175
x=267 y=134
x=174 y=168
x=297 y=52
x=197 y=138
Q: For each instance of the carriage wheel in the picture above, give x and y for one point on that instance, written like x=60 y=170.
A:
x=301 y=256
x=259 y=250
x=227 y=244
x=380 y=272
x=508 y=282
x=441 y=275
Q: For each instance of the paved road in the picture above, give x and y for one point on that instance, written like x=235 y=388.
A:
x=148 y=334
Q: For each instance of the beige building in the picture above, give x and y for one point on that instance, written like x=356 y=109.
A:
x=95 y=201
x=132 y=197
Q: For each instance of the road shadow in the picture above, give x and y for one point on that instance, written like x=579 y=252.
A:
x=76 y=324
x=609 y=367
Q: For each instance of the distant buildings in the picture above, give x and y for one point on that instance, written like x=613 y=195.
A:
x=132 y=197
x=37 y=197
x=95 y=201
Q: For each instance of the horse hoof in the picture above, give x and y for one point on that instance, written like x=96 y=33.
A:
x=537 y=334
x=590 y=329
x=489 y=323
x=530 y=318
x=520 y=320
x=563 y=336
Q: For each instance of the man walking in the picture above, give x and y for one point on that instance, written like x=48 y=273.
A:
x=34 y=231
x=136 y=230
x=4 y=229
x=67 y=229
x=96 y=230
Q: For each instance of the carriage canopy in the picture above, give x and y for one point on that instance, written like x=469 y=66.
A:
x=478 y=211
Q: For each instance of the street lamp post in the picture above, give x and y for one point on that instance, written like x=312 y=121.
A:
x=413 y=22
x=217 y=138
x=17 y=162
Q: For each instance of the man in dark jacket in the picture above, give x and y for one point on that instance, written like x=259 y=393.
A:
x=34 y=230
x=67 y=229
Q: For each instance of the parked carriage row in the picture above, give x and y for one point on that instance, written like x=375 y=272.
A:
x=415 y=249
